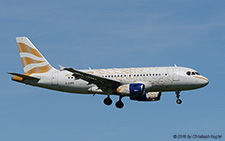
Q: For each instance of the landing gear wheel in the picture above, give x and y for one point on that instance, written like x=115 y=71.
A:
x=179 y=101
x=108 y=101
x=119 y=104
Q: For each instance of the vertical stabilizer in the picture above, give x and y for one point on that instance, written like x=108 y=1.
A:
x=32 y=59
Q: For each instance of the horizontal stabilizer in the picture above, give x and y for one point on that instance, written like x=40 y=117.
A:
x=21 y=77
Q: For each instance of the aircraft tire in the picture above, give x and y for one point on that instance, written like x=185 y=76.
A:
x=179 y=101
x=108 y=101
x=119 y=104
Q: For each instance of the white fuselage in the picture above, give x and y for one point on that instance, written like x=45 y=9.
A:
x=154 y=78
x=141 y=84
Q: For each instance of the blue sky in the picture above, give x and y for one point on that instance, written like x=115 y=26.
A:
x=113 y=34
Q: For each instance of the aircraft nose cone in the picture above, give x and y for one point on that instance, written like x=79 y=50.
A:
x=204 y=81
x=201 y=81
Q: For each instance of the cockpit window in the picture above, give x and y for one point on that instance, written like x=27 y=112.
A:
x=188 y=73
x=192 y=73
x=197 y=73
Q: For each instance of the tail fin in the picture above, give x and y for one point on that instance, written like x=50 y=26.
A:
x=32 y=60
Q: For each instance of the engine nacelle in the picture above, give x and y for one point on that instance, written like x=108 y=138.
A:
x=150 y=96
x=136 y=89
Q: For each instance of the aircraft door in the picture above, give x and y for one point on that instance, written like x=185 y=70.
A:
x=176 y=74
x=55 y=78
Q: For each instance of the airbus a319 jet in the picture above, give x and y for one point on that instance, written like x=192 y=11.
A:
x=140 y=84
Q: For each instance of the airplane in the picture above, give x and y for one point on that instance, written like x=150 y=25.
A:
x=140 y=84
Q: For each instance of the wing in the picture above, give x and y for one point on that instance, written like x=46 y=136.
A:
x=103 y=83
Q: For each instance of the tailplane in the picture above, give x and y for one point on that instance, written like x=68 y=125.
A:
x=32 y=59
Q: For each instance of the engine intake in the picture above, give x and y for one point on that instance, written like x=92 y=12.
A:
x=136 y=89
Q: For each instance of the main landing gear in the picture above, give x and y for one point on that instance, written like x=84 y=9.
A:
x=119 y=103
x=108 y=101
x=179 y=101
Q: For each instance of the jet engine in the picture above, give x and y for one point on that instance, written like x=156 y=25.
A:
x=150 y=96
x=136 y=89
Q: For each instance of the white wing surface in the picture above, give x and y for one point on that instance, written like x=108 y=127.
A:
x=103 y=83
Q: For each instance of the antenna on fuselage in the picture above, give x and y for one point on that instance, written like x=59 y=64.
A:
x=61 y=67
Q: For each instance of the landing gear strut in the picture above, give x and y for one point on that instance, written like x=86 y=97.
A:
x=179 y=101
x=108 y=100
x=119 y=103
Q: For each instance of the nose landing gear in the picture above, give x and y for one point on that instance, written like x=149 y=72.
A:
x=179 y=101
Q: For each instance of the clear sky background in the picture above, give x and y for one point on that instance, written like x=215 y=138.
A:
x=113 y=34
